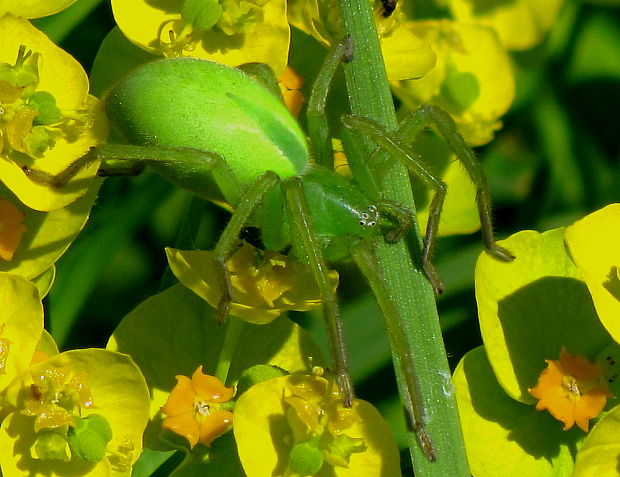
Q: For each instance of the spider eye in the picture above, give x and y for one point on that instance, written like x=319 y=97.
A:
x=369 y=219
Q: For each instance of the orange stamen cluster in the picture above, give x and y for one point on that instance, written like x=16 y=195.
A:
x=572 y=389
x=193 y=409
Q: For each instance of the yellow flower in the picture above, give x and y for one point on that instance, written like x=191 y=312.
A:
x=405 y=54
x=33 y=8
x=572 y=390
x=193 y=409
x=81 y=412
x=47 y=118
x=227 y=31
x=297 y=425
x=521 y=24
x=56 y=396
x=593 y=245
x=21 y=324
x=11 y=229
x=265 y=284
x=472 y=80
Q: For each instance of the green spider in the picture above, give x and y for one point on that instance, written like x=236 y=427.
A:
x=238 y=143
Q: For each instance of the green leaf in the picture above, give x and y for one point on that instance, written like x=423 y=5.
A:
x=600 y=452
x=150 y=460
x=503 y=436
x=595 y=51
x=530 y=308
x=219 y=459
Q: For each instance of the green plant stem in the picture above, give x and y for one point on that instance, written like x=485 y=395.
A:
x=370 y=97
x=234 y=326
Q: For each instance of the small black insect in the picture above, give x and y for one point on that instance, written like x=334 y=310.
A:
x=388 y=7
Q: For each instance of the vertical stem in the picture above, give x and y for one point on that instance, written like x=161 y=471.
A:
x=370 y=97
x=234 y=326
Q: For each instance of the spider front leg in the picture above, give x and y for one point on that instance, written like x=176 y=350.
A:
x=308 y=244
x=318 y=129
x=366 y=261
x=227 y=243
x=162 y=158
x=429 y=115
x=415 y=164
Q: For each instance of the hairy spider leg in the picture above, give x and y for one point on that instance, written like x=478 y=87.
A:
x=396 y=148
x=308 y=247
x=308 y=242
x=361 y=250
x=229 y=239
x=368 y=264
x=318 y=129
x=159 y=156
x=428 y=115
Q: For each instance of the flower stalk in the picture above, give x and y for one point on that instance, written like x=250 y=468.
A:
x=369 y=96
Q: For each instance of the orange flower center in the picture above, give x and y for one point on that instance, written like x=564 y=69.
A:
x=572 y=389
x=195 y=408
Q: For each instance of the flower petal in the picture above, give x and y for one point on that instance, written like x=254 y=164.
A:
x=181 y=398
x=184 y=425
x=214 y=425
x=464 y=52
x=263 y=435
x=521 y=24
x=171 y=332
x=593 y=246
x=21 y=324
x=529 y=308
x=268 y=43
x=209 y=388
x=495 y=425
x=33 y=8
x=63 y=77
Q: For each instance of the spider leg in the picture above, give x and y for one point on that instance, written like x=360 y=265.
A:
x=367 y=262
x=302 y=228
x=428 y=115
x=229 y=239
x=147 y=155
x=395 y=145
x=416 y=165
x=318 y=128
